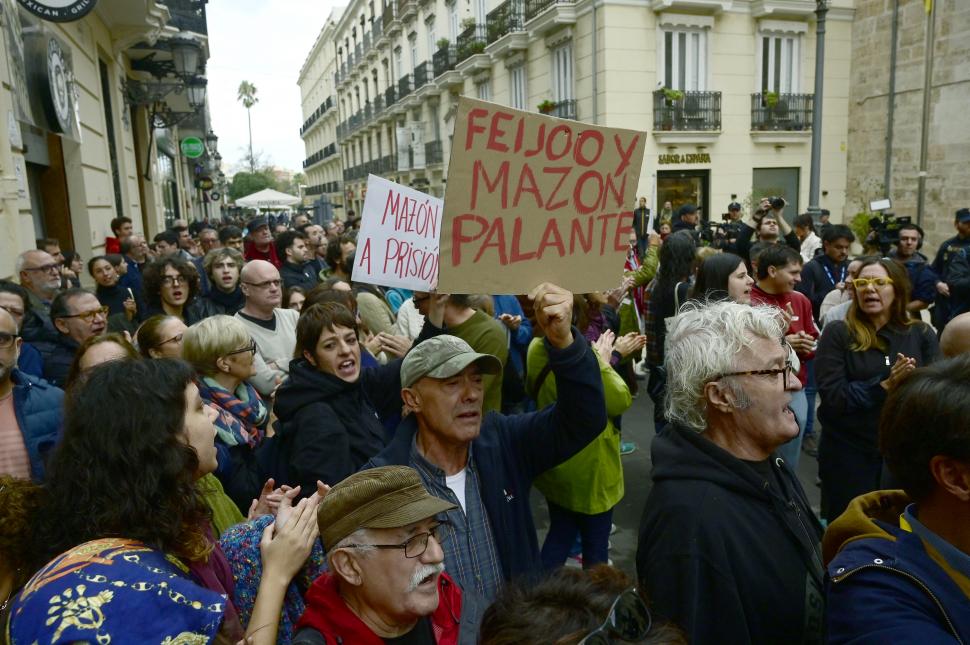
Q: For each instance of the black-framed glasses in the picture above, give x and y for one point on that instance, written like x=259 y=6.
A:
x=7 y=340
x=265 y=285
x=177 y=339
x=173 y=280
x=251 y=348
x=90 y=315
x=47 y=268
x=784 y=371
x=414 y=546
x=629 y=620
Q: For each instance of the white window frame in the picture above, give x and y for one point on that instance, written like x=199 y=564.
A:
x=432 y=45
x=413 y=45
x=483 y=90
x=789 y=45
x=562 y=78
x=453 y=23
x=517 y=88
x=695 y=69
x=399 y=63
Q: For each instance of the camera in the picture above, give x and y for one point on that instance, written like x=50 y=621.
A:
x=777 y=203
x=720 y=235
x=884 y=230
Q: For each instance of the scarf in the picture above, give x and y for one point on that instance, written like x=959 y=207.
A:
x=241 y=414
x=638 y=293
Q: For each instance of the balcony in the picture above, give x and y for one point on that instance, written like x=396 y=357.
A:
x=781 y=118
x=188 y=15
x=407 y=10
x=405 y=85
x=471 y=41
x=433 y=153
x=505 y=29
x=388 y=163
x=421 y=75
x=565 y=110
x=368 y=113
x=444 y=61
x=544 y=15
x=378 y=104
x=390 y=20
x=695 y=113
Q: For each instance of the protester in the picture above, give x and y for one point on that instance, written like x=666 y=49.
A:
x=569 y=607
x=119 y=300
x=486 y=464
x=582 y=491
x=144 y=523
x=723 y=277
x=387 y=579
x=372 y=308
x=811 y=244
x=296 y=269
x=19 y=501
x=259 y=245
x=161 y=337
x=897 y=560
x=950 y=264
x=317 y=245
x=223 y=355
x=857 y=362
x=40 y=275
x=922 y=278
x=955 y=339
x=171 y=288
x=77 y=315
x=338 y=253
x=273 y=328
x=98 y=350
x=769 y=225
x=729 y=545
x=167 y=245
x=14 y=300
x=222 y=266
x=641 y=228
x=30 y=411
x=121 y=229
x=686 y=220
x=232 y=237
x=135 y=253
x=829 y=269
x=509 y=312
x=71 y=271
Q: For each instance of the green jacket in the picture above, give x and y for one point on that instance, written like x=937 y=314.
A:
x=591 y=481
x=648 y=267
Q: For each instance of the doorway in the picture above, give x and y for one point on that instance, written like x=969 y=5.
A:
x=680 y=187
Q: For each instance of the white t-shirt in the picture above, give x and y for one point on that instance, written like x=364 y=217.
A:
x=456 y=483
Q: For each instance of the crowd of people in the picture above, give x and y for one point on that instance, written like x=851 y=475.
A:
x=230 y=440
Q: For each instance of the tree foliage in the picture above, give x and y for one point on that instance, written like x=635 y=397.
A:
x=247 y=183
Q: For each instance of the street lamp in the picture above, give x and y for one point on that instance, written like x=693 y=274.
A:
x=211 y=140
x=821 y=8
x=195 y=91
x=185 y=56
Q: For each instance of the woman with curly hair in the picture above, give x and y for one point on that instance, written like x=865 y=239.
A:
x=137 y=552
x=19 y=501
x=171 y=287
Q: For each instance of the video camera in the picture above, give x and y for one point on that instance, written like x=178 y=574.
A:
x=720 y=235
x=884 y=230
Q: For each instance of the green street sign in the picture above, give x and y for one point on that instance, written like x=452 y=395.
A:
x=192 y=147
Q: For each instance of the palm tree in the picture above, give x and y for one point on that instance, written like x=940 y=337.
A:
x=247 y=94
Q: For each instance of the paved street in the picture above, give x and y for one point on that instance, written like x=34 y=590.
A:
x=638 y=427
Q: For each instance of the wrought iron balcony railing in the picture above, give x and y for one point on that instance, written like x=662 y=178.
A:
x=505 y=19
x=421 y=76
x=405 y=85
x=694 y=111
x=444 y=60
x=534 y=7
x=786 y=112
x=471 y=41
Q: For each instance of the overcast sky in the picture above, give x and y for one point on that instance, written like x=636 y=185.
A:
x=264 y=42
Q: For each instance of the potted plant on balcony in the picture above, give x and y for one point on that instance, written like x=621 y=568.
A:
x=468 y=23
x=476 y=47
x=443 y=43
x=547 y=106
x=672 y=96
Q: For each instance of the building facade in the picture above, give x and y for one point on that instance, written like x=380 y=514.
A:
x=901 y=92
x=723 y=87
x=97 y=110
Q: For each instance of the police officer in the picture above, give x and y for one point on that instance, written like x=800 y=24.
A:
x=952 y=265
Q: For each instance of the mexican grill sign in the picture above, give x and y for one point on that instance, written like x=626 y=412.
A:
x=59 y=10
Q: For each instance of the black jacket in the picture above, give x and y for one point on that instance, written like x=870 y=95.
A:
x=219 y=302
x=745 y=240
x=819 y=277
x=724 y=554
x=298 y=276
x=58 y=354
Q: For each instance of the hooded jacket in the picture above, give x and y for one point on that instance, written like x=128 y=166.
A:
x=454 y=622
x=885 y=584
x=724 y=554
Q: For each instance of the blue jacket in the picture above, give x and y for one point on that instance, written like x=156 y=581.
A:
x=883 y=586
x=518 y=340
x=40 y=415
x=30 y=361
x=511 y=451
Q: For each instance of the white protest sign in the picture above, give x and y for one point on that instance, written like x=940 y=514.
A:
x=398 y=241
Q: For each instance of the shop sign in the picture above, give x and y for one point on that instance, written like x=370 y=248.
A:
x=59 y=10
x=192 y=147
x=700 y=157
x=204 y=183
x=215 y=195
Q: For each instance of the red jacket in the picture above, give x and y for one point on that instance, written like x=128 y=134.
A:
x=327 y=613
x=252 y=253
x=112 y=245
x=802 y=307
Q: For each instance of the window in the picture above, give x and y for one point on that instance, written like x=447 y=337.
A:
x=453 y=20
x=562 y=73
x=779 y=64
x=435 y=122
x=399 y=62
x=685 y=60
x=413 y=43
x=481 y=11
x=517 y=96
x=483 y=91
x=432 y=47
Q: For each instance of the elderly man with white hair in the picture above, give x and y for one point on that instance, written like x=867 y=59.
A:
x=729 y=547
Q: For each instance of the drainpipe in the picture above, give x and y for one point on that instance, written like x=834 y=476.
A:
x=891 y=109
x=927 y=87
x=595 y=69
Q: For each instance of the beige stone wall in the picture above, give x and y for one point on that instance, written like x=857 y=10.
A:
x=948 y=177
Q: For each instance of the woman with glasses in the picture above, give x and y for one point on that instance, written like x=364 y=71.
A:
x=171 y=286
x=224 y=357
x=857 y=362
x=160 y=337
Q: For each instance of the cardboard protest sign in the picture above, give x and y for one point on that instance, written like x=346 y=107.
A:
x=397 y=245
x=531 y=198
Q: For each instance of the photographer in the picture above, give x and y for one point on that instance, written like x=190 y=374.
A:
x=770 y=225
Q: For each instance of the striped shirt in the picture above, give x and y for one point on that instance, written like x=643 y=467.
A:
x=471 y=556
x=14 y=458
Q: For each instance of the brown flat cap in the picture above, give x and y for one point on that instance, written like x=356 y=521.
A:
x=388 y=497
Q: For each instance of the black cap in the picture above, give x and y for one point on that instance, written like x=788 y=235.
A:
x=686 y=209
x=963 y=215
x=734 y=206
x=256 y=222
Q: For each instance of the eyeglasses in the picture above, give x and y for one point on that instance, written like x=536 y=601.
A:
x=89 y=316
x=863 y=283
x=784 y=371
x=47 y=268
x=177 y=339
x=265 y=285
x=414 y=547
x=629 y=620
x=173 y=280
x=251 y=348
x=13 y=311
x=7 y=340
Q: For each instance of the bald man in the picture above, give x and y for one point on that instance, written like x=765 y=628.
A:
x=955 y=339
x=273 y=328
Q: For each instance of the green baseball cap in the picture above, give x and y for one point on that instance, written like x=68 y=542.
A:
x=443 y=357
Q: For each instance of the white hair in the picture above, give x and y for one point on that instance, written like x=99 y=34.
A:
x=703 y=341
x=22 y=260
x=360 y=536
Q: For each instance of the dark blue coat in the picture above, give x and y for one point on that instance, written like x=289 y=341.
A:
x=511 y=451
x=39 y=407
x=57 y=354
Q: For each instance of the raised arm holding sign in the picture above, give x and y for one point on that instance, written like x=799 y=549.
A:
x=532 y=199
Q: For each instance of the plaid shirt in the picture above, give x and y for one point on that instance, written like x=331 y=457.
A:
x=654 y=348
x=471 y=557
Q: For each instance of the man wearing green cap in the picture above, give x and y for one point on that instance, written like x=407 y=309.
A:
x=386 y=583
x=484 y=464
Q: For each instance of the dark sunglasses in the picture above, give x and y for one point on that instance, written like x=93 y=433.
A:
x=629 y=620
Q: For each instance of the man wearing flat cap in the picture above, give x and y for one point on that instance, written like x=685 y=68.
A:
x=259 y=242
x=382 y=534
x=485 y=464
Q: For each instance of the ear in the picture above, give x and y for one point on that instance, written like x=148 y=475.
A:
x=411 y=398
x=345 y=566
x=952 y=475
x=61 y=326
x=719 y=397
x=309 y=358
x=222 y=364
x=772 y=272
